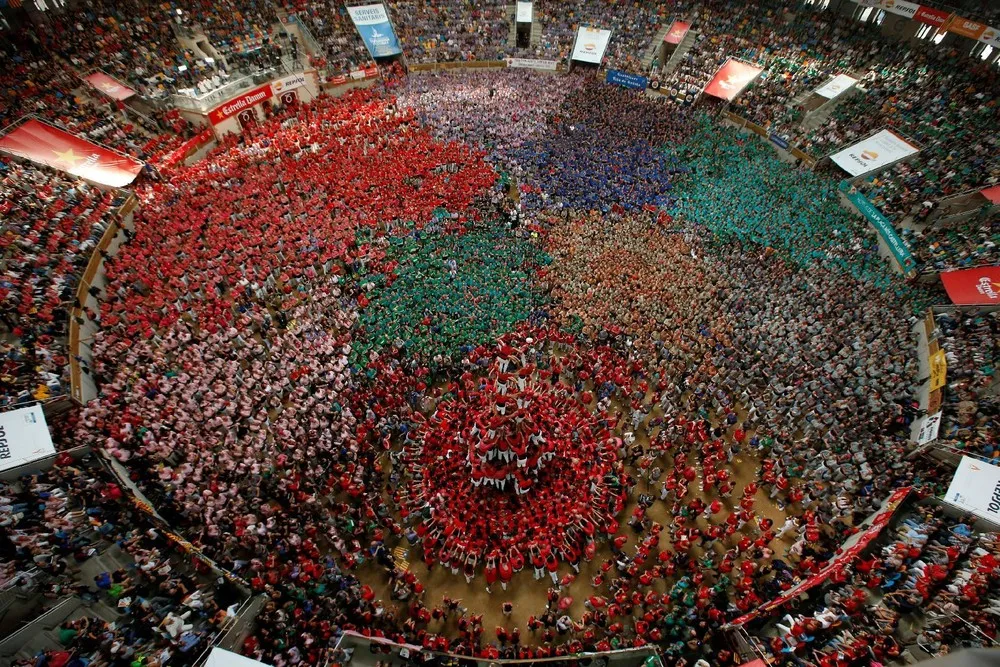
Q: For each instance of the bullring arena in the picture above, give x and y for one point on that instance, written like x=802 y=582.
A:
x=453 y=333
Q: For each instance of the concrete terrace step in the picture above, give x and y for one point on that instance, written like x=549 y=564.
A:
x=654 y=47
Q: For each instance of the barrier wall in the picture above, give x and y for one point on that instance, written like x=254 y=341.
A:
x=470 y=64
x=807 y=159
x=82 y=387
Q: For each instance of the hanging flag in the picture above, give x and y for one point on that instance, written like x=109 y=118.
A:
x=52 y=147
x=973 y=287
x=110 y=86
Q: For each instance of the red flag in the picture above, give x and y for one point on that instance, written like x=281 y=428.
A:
x=110 y=86
x=677 y=32
x=973 y=287
x=731 y=79
x=48 y=145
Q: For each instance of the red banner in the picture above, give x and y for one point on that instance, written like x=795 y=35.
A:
x=993 y=194
x=189 y=147
x=111 y=87
x=44 y=144
x=677 y=32
x=846 y=556
x=931 y=16
x=973 y=287
x=238 y=104
x=731 y=79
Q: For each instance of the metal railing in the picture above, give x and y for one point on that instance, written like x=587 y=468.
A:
x=248 y=80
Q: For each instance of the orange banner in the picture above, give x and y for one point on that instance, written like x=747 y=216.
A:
x=965 y=27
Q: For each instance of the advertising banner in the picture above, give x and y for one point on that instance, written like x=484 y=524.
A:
x=524 y=12
x=532 y=63
x=24 y=437
x=868 y=155
x=836 y=86
x=929 y=427
x=973 y=287
x=284 y=84
x=731 y=79
x=110 y=86
x=965 y=27
x=48 y=145
x=939 y=370
x=900 y=7
x=845 y=556
x=373 y=25
x=931 y=16
x=237 y=104
x=591 y=43
x=882 y=226
x=677 y=32
x=779 y=141
x=223 y=658
x=976 y=488
x=627 y=80
x=991 y=36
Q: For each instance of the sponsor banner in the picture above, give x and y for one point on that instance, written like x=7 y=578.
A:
x=677 y=32
x=373 y=25
x=965 y=27
x=881 y=225
x=973 y=287
x=939 y=369
x=929 y=427
x=532 y=63
x=976 y=488
x=48 y=145
x=110 y=86
x=288 y=97
x=627 y=80
x=877 y=151
x=292 y=82
x=237 y=104
x=900 y=7
x=991 y=36
x=779 y=141
x=846 y=556
x=591 y=43
x=524 y=12
x=836 y=86
x=731 y=79
x=24 y=437
x=931 y=16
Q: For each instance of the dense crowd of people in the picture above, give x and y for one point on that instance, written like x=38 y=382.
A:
x=516 y=325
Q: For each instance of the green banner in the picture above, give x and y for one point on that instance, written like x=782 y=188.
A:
x=882 y=226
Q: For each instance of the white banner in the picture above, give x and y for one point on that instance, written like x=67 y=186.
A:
x=532 y=63
x=524 y=12
x=368 y=14
x=991 y=36
x=24 y=437
x=836 y=86
x=976 y=488
x=591 y=43
x=222 y=658
x=287 y=83
x=929 y=427
x=900 y=7
x=873 y=153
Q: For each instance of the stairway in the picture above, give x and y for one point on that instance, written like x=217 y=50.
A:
x=682 y=50
x=815 y=118
x=654 y=47
x=512 y=33
x=536 y=31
